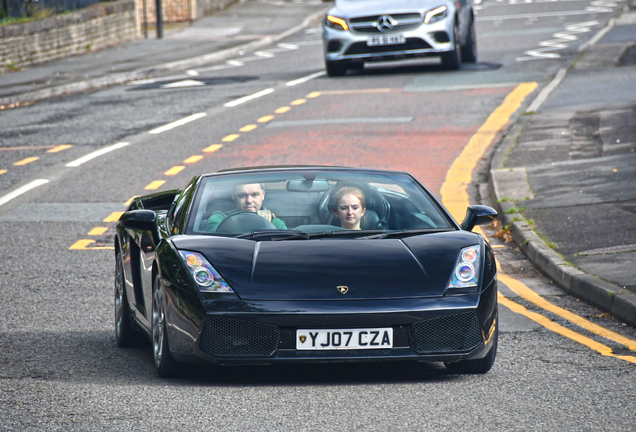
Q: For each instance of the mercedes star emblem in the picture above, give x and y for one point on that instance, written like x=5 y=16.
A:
x=385 y=23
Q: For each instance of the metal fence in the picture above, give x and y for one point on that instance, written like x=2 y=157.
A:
x=25 y=8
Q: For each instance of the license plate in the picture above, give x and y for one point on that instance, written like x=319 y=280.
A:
x=344 y=339
x=386 y=40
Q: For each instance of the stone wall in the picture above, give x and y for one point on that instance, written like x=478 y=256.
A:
x=92 y=28
x=175 y=11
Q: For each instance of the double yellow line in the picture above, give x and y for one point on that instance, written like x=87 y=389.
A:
x=455 y=198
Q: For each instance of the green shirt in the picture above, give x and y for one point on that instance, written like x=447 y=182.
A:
x=217 y=218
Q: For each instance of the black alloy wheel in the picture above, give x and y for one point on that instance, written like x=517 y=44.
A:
x=164 y=362
x=469 y=49
x=124 y=332
x=477 y=366
x=452 y=59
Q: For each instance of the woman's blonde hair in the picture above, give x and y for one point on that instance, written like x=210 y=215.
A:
x=349 y=190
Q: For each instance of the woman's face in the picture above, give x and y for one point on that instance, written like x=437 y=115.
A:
x=350 y=210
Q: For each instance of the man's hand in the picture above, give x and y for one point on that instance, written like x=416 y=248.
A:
x=266 y=214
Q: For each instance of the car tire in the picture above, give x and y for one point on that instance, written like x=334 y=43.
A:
x=469 y=49
x=125 y=334
x=336 y=68
x=452 y=59
x=477 y=366
x=164 y=362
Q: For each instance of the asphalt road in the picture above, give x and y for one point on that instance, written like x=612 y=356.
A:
x=60 y=368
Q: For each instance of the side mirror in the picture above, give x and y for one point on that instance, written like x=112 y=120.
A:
x=139 y=219
x=478 y=215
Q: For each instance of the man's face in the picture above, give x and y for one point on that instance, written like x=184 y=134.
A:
x=249 y=197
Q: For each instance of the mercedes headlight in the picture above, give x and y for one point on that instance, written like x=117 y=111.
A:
x=336 y=23
x=435 y=15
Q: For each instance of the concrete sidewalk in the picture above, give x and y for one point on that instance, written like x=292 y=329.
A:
x=564 y=178
x=247 y=26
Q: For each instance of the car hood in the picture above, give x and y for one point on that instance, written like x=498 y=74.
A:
x=418 y=266
x=359 y=8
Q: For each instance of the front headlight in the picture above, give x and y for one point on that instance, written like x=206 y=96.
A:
x=336 y=23
x=206 y=277
x=466 y=271
x=435 y=15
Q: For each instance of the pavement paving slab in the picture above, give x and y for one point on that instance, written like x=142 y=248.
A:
x=577 y=155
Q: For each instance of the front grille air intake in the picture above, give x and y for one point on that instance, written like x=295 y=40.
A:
x=451 y=333
x=404 y=22
x=226 y=337
x=411 y=44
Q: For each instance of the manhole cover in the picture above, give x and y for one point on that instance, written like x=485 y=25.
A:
x=190 y=82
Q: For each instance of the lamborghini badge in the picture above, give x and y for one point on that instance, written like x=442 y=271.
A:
x=342 y=289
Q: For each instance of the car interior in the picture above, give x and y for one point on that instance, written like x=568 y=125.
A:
x=313 y=211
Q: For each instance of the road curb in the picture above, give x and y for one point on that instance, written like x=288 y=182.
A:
x=147 y=72
x=608 y=297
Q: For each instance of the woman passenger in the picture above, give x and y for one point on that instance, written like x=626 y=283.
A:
x=350 y=207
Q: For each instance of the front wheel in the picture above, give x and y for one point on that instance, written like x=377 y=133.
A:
x=336 y=68
x=452 y=59
x=469 y=50
x=164 y=362
x=477 y=366
x=124 y=332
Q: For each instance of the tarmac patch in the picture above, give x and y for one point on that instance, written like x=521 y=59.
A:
x=471 y=77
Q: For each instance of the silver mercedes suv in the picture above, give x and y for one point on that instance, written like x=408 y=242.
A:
x=358 y=31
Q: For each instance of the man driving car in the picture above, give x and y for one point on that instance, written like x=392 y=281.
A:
x=248 y=198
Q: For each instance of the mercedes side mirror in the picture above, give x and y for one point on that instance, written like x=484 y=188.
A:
x=478 y=215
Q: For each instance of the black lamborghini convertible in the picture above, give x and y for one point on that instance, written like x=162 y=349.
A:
x=305 y=264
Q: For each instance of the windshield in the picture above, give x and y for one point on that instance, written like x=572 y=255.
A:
x=305 y=204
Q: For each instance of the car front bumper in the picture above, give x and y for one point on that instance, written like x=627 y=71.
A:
x=423 y=41
x=236 y=332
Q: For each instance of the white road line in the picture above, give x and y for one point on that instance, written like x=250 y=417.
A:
x=249 y=98
x=288 y=46
x=217 y=67
x=598 y=36
x=543 y=95
x=305 y=79
x=21 y=190
x=177 y=123
x=309 y=42
x=561 y=41
x=537 y=15
x=97 y=153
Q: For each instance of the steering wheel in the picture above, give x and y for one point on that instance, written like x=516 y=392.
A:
x=242 y=222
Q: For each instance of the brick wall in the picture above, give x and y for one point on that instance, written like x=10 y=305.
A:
x=62 y=36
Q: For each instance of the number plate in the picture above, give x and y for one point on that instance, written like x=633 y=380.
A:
x=344 y=339
x=386 y=40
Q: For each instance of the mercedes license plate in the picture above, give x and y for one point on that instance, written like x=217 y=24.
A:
x=386 y=40
x=343 y=339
